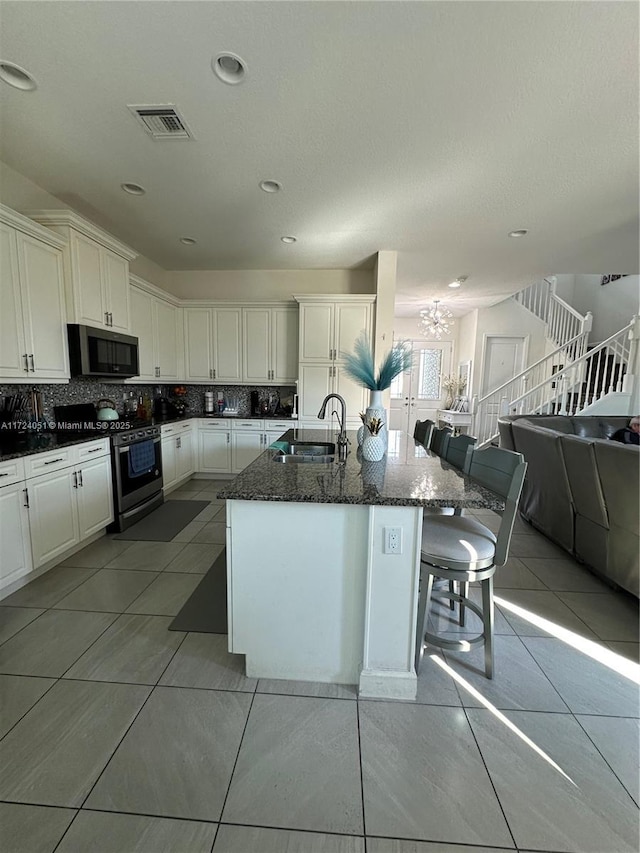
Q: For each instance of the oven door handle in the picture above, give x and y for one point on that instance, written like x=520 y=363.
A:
x=125 y=449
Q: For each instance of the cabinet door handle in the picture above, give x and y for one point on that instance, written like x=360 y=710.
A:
x=75 y=480
x=210 y=373
x=110 y=318
x=26 y=362
x=4 y=475
x=214 y=373
x=61 y=459
x=95 y=450
x=228 y=438
x=33 y=367
x=26 y=498
x=80 y=479
x=106 y=318
x=178 y=443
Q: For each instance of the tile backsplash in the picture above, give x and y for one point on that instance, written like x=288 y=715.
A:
x=81 y=390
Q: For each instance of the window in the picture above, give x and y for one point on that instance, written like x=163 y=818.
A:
x=430 y=374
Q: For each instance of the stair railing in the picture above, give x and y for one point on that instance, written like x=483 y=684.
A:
x=563 y=321
x=548 y=387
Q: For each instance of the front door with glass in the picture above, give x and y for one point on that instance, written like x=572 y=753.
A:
x=418 y=394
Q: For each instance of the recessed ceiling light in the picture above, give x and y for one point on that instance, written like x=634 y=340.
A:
x=521 y=233
x=229 y=68
x=17 y=77
x=187 y=241
x=458 y=281
x=288 y=239
x=270 y=186
x=133 y=189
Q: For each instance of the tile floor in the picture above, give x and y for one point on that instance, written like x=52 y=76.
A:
x=119 y=736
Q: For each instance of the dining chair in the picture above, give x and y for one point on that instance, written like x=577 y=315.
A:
x=423 y=431
x=459 y=450
x=461 y=549
x=439 y=439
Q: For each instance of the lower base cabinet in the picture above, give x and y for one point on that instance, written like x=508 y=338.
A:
x=178 y=457
x=53 y=514
x=15 y=542
x=214 y=449
x=67 y=506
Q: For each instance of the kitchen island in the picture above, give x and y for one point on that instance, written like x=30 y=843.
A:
x=323 y=562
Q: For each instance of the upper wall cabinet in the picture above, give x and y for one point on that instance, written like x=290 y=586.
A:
x=33 y=333
x=270 y=344
x=96 y=271
x=213 y=350
x=329 y=326
x=157 y=323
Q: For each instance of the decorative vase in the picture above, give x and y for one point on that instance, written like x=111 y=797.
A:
x=375 y=409
x=361 y=433
x=373 y=448
x=448 y=403
x=373 y=473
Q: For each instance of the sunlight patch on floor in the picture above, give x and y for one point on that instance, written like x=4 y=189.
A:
x=499 y=715
x=594 y=650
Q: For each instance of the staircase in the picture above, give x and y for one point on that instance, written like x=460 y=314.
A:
x=569 y=380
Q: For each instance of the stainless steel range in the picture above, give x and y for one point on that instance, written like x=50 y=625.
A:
x=137 y=480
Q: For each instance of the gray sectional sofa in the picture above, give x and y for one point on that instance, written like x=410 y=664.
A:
x=582 y=490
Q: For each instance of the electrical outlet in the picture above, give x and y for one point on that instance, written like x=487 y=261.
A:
x=393 y=540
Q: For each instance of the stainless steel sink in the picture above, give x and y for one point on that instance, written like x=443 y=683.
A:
x=303 y=458
x=308 y=448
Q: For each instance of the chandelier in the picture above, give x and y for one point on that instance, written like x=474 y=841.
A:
x=435 y=322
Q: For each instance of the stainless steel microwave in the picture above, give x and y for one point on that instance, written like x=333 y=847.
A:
x=99 y=352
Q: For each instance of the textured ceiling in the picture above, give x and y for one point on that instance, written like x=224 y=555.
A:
x=432 y=128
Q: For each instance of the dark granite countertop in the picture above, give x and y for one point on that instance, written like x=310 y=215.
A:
x=13 y=445
x=408 y=475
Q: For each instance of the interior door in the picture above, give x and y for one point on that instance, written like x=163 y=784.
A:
x=503 y=359
x=418 y=394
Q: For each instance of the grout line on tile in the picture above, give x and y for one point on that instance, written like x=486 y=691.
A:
x=235 y=763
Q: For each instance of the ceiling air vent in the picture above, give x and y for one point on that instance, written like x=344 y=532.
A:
x=161 y=121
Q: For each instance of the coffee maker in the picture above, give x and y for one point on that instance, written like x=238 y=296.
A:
x=209 y=403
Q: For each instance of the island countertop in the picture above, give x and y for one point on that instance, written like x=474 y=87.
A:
x=408 y=475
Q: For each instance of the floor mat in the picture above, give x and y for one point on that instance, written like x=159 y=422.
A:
x=206 y=608
x=164 y=523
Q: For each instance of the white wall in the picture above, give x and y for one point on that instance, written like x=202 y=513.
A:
x=21 y=194
x=510 y=319
x=267 y=284
x=612 y=305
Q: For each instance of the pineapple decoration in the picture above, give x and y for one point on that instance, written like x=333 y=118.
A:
x=373 y=447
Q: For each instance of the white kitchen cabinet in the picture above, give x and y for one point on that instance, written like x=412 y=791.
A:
x=169 y=466
x=270 y=344
x=33 y=334
x=212 y=344
x=94 y=496
x=329 y=328
x=178 y=457
x=156 y=323
x=246 y=445
x=15 y=541
x=214 y=449
x=96 y=271
x=69 y=502
x=53 y=515
x=185 y=457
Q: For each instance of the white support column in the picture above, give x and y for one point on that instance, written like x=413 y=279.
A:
x=391 y=605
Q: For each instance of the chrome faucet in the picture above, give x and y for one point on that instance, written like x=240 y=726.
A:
x=343 y=441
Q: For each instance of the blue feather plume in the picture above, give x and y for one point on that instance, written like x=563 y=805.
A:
x=359 y=364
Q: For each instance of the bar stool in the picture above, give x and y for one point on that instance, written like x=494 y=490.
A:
x=439 y=439
x=461 y=549
x=422 y=432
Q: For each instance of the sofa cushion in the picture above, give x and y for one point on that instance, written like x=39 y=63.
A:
x=546 y=498
x=584 y=479
x=600 y=426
